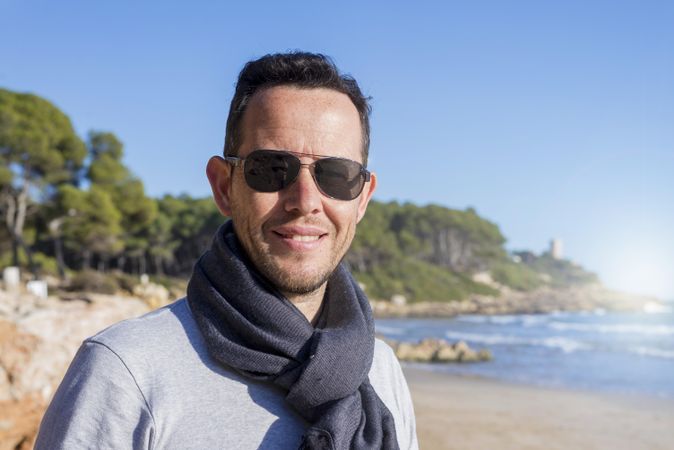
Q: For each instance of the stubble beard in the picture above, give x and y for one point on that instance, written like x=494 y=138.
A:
x=285 y=279
x=298 y=285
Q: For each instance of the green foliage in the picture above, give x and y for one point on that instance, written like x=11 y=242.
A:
x=425 y=253
x=45 y=264
x=459 y=240
x=431 y=252
x=517 y=276
x=93 y=281
x=562 y=272
x=124 y=281
x=93 y=223
x=192 y=225
x=107 y=172
x=37 y=141
x=39 y=150
x=419 y=281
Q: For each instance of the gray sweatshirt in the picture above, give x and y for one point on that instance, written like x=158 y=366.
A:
x=149 y=383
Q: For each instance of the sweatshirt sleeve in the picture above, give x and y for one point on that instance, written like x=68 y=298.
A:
x=389 y=381
x=408 y=427
x=98 y=405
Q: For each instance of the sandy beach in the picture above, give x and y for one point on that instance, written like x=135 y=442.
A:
x=467 y=413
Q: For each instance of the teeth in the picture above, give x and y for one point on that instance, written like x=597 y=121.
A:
x=298 y=237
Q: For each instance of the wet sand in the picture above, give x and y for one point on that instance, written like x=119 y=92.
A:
x=467 y=413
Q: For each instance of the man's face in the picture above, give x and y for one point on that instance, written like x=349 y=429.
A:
x=297 y=236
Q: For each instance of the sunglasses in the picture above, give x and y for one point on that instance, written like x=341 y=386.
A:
x=274 y=170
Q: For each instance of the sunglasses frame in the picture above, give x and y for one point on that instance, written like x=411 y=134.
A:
x=364 y=173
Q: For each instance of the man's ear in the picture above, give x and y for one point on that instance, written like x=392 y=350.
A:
x=219 y=174
x=366 y=195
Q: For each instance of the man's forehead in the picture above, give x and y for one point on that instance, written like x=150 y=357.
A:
x=287 y=115
x=294 y=99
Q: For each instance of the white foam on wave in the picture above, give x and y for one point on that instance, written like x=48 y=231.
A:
x=528 y=320
x=534 y=320
x=383 y=329
x=559 y=342
x=629 y=328
x=654 y=352
x=593 y=312
x=473 y=319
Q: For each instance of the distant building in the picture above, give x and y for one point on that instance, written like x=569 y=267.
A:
x=556 y=249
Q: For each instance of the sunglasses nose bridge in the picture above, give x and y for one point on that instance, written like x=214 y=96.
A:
x=303 y=193
x=310 y=167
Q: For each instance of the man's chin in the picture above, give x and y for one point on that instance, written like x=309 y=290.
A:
x=297 y=282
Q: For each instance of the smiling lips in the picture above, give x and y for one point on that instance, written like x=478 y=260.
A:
x=299 y=236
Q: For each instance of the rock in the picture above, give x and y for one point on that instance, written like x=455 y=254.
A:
x=426 y=350
x=38 y=288
x=398 y=300
x=405 y=351
x=446 y=354
x=11 y=277
x=19 y=422
x=38 y=339
x=155 y=295
x=16 y=352
x=438 y=350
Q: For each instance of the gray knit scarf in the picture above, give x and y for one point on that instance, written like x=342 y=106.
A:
x=250 y=327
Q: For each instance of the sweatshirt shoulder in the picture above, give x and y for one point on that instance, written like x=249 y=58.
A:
x=155 y=327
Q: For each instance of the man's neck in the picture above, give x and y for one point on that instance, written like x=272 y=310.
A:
x=309 y=304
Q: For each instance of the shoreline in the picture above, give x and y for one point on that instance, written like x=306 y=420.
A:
x=540 y=301
x=471 y=412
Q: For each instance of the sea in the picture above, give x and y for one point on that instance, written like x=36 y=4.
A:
x=613 y=352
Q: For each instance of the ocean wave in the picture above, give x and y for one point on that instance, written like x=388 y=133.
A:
x=654 y=352
x=559 y=342
x=528 y=320
x=592 y=312
x=383 y=329
x=631 y=328
x=473 y=319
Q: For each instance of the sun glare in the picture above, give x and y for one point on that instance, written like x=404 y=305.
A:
x=641 y=269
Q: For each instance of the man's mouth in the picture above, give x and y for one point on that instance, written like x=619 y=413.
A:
x=302 y=235
x=301 y=238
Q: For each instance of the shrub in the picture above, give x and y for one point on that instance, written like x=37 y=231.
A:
x=92 y=281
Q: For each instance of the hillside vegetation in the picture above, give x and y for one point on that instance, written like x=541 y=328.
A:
x=434 y=253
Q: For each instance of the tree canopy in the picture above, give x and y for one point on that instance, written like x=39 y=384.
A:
x=39 y=150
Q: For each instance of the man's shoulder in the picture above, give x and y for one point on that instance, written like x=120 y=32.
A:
x=383 y=351
x=385 y=372
x=156 y=328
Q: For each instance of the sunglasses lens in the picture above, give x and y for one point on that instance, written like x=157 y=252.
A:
x=339 y=178
x=271 y=171
x=268 y=171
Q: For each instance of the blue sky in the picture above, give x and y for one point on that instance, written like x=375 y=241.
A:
x=552 y=119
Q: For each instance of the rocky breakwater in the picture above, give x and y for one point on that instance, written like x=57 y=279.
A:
x=540 y=301
x=38 y=339
x=438 y=351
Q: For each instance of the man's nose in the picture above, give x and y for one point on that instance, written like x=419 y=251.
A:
x=303 y=195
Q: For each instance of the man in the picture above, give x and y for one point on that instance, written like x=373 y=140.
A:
x=274 y=345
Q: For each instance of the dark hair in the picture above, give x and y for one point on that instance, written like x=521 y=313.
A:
x=301 y=69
